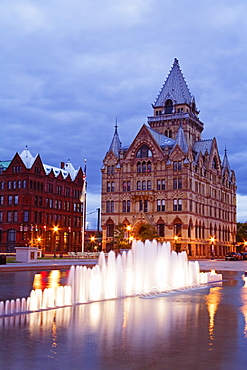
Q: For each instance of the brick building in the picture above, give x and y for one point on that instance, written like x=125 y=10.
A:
x=40 y=205
x=171 y=178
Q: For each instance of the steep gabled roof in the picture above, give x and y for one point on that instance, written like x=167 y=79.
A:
x=203 y=146
x=68 y=168
x=161 y=139
x=27 y=158
x=174 y=88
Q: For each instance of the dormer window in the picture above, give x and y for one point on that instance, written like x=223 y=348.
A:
x=168 y=106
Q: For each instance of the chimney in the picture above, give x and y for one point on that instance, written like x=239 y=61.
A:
x=62 y=165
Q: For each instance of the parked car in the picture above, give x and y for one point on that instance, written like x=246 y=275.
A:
x=244 y=255
x=232 y=256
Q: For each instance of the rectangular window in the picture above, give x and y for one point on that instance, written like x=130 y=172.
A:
x=124 y=205
x=138 y=185
x=1 y=200
x=128 y=186
x=112 y=187
x=163 y=205
x=108 y=187
x=179 y=204
x=149 y=185
x=163 y=185
x=145 y=205
x=16 y=199
x=9 y=184
x=10 y=200
x=1 y=216
x=2 y=185
x=175 y=204
x=179 y=183
x=124 y=186
x=25 y=216
x=108 y=206
x=9 y=216
x=128 y=205
x=140 y=205
x=158 y=205
x=143 y=185
x=175 y=183
x=158 y=185
x=112 y=206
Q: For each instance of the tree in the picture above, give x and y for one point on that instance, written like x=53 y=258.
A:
x=120 y=240
x=149 y=232
x=241 y=234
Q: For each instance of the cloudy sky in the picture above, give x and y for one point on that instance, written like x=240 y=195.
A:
x=68 y=68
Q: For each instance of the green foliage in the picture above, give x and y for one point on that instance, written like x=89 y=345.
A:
x=149 y=232
x=119 y=237
x=241 y=233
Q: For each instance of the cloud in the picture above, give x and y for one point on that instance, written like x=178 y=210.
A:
x=68 y=71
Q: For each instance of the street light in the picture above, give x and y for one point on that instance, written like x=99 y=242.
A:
x=175 y=241
x=92 y=241
x=128 y=228
x=212 y=240
x=55 y=229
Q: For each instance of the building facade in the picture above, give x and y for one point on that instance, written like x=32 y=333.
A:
x=40 y=205
x=171 y=178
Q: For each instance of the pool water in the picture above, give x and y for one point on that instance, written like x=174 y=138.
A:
x=204 y=328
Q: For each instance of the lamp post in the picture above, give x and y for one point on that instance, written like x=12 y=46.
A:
x=212 y=240
x=175 y=241
x=92 y=241
x=55 y=229
x=128 y=228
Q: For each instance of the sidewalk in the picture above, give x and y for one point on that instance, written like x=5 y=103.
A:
x=52 y=264
x=66 y=263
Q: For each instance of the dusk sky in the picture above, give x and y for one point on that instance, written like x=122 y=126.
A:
x=69 y=68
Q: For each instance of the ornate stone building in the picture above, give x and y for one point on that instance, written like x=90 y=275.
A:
x=171 y=178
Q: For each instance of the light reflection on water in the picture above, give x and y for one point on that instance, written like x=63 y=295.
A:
x=204 y=328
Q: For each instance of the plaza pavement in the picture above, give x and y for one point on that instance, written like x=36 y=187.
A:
x=39 y=265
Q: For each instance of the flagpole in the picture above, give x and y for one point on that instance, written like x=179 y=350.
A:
x=83 y=200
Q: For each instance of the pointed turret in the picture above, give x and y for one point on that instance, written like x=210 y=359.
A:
x=226 y=165
x=181 y=140
x=174 y=105
x=116 y=143
x=174 y=88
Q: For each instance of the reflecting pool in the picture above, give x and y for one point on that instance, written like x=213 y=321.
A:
x=192 y=329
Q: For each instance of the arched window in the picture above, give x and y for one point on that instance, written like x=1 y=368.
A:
x=144 y=167
x=144 y=152
x=139 y=167
x=168 y=106
x=149 y=167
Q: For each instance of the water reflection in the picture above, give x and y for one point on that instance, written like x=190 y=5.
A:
x=212 y=301
x=188 y=330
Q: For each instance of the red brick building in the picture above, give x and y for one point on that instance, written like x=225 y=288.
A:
x=40 y=205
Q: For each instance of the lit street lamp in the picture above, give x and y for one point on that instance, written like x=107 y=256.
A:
x=212 y=240
x=55 y=229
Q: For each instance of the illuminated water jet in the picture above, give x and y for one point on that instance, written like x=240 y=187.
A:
x=147 y=268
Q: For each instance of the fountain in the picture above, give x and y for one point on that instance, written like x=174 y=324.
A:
x=146 y=270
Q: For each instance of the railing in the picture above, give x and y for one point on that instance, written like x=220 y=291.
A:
x=83 y=254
